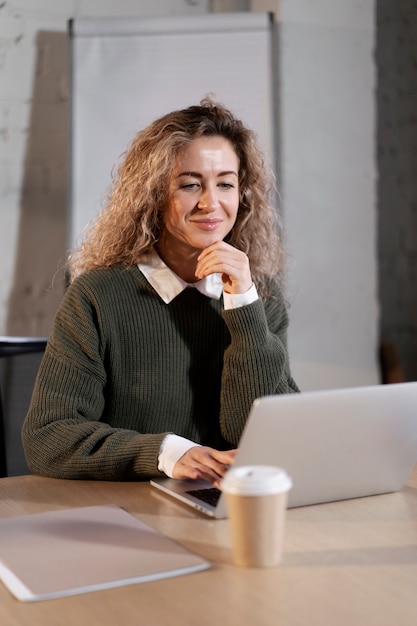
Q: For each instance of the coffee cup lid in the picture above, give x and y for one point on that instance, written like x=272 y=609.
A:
x=256 y=480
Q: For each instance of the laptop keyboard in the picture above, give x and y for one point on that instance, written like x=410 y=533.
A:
x=209 y=496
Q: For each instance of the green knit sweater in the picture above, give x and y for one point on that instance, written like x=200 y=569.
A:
x=122 y=369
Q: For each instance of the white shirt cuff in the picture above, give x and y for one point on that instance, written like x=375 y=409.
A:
x=235 y=300
x=172 y=449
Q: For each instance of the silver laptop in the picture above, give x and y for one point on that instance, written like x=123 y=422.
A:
x=335 y=445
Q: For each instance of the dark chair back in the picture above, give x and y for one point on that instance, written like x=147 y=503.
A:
x=17 y=378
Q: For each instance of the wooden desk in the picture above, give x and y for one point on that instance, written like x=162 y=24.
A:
x=345 y=563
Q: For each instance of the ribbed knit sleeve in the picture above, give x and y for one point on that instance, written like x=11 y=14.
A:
x=73 y=428
x=255 y=363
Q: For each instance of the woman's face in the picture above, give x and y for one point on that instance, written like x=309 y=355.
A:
x=203 y=197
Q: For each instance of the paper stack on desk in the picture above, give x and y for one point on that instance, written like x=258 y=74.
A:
x=61 y=553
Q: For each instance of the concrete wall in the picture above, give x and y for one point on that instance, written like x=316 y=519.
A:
x=328 y=180
x=34 y=136
x=34 y=103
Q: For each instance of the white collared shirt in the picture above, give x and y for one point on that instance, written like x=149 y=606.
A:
x=168 y=286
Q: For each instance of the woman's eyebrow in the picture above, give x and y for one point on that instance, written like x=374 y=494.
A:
x=193 y=174
x=199 y=175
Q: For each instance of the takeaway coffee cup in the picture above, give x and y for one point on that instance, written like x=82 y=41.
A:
x=256 y=499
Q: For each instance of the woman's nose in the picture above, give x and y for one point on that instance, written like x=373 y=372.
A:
x=208 y=200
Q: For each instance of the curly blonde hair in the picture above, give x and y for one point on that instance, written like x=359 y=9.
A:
x=129 y=225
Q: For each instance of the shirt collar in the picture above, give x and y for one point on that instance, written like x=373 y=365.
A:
x=168 y=285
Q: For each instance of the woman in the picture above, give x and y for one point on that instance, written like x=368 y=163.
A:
x=174 y=321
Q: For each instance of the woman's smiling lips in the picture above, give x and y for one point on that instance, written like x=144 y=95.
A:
x=207 y=224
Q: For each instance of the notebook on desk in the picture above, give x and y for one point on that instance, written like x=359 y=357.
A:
x=335 y=445
x=59 y=553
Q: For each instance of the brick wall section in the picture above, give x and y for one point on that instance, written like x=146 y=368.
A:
x=396 y=56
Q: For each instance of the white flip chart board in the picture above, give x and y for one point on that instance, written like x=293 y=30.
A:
x=126 y=73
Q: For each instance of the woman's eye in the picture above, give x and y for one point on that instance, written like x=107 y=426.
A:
x=226 y=185
x=190 y=186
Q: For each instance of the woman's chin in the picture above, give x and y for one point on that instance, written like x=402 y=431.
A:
x=200 y=243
